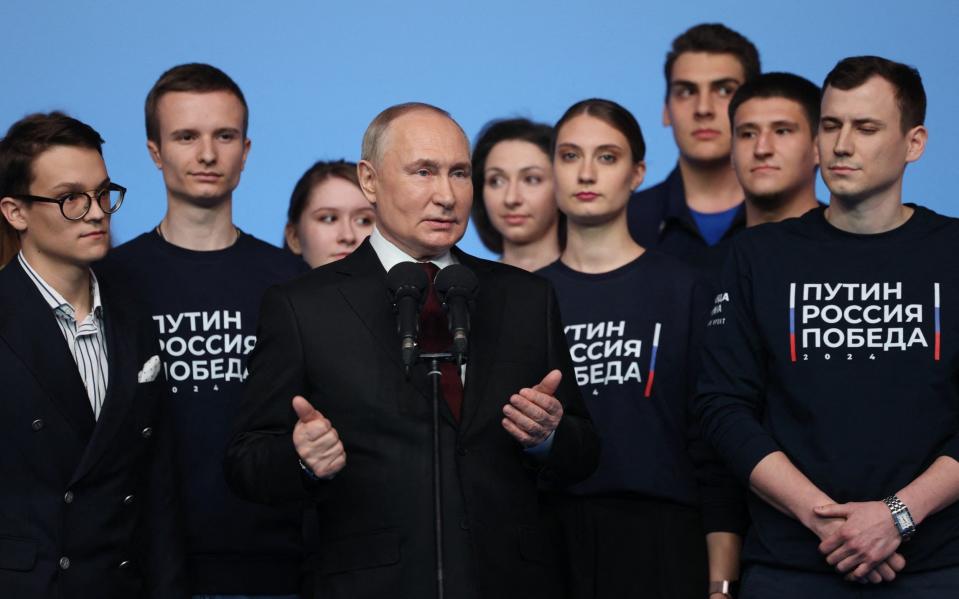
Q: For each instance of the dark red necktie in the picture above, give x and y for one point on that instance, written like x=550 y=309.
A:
x=435 y=337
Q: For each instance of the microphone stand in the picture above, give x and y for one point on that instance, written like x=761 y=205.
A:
x=435 y=374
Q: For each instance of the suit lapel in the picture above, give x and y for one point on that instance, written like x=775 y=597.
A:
x=485 y=327
x=122 y=354
x=29 y=327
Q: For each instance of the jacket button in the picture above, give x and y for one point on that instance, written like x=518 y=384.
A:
x=64 y=563
x=462 y=451
x=146 y=433
x=464 y=524
x=124 y=564
x=128 y=500
x=68 y=497
x=36 y=424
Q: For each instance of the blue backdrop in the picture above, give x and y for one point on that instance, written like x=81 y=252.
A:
x=315 y=73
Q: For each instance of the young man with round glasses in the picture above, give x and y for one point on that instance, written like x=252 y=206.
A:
x=87 y=508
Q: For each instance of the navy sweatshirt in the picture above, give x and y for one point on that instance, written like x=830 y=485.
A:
x=634 y=335
x=205 y=306
x=841 y=351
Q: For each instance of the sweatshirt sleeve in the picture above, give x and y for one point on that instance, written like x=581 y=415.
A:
x=722 y=498
x=731 y=389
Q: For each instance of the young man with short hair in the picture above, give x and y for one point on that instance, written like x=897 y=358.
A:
x=700 y=202
x=88 y=507
x=774 y=121
x=830 y=381
x=203 y=279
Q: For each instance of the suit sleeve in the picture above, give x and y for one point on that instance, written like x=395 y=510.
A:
x=731 y=390
x=723 y=499
x=165 y=546
x=574 y=453
x=261 y=462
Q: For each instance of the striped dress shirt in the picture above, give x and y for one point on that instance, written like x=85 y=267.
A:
x=86 y=339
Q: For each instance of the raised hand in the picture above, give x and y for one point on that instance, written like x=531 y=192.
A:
x=316 y=441
x=533 y=414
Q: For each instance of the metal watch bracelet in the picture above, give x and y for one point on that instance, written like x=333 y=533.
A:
x=901 y=517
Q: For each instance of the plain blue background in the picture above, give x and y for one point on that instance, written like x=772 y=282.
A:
x=315 y=73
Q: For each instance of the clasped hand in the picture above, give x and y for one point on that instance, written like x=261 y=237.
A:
x=859 y=540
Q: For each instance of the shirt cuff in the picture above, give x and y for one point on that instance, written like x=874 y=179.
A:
x=542 y=449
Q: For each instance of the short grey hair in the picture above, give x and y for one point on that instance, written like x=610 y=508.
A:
x=372 y=148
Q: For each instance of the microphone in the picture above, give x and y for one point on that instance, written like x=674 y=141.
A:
x=457 y=286
x=407 y=283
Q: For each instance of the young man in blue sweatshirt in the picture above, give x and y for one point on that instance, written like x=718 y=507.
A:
x=830 y=379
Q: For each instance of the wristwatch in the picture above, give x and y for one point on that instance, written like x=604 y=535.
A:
x=724 y=587
x=901 y=517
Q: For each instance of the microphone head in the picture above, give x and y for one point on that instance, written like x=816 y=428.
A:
x=407 y=279
x=456 y=279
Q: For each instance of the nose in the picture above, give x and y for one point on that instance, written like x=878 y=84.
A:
x=207 y=151
x=513 y=197
x=346 y=233
x=587 y=172
x=95 y=213
x=704 y=105
x=763 y=147
x=843 y=145
x=443 y=193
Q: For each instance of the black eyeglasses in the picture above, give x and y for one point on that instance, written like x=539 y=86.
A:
x=76 y=204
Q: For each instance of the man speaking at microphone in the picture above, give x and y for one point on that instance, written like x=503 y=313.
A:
x=331 y=416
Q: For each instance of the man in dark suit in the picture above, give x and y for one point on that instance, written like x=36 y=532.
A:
x=85 y=509
x=357 y=437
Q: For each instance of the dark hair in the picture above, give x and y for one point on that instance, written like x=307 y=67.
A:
x=854 y=71
x=31 y=136
x=492 y=133
x=713 y=38
x=193 y=77
x=25 y=140
x=780 y=85
x=613 y=115
x=316 y=174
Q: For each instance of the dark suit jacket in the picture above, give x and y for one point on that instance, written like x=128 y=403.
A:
x=85 y=505
x=331 y=336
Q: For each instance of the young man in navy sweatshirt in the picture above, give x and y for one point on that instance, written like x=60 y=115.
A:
x=203 y=279
x=830 y=377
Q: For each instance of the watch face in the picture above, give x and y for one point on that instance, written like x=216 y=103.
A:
x=904 y=521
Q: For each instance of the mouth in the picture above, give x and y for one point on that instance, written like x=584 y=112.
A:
x=341 y=255
x=842 y=169
x=440 y=224
x=94 y=235
x=515 y=219
x=706 y=134
x=586 y=196
x=206 y=177
x=764 y=168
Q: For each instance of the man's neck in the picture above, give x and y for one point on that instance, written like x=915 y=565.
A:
x=601 y=248
x=534 y=255
x=710 y=186
x=72 y=281
x=773 y=210
x=199 y=228
x=877 y=214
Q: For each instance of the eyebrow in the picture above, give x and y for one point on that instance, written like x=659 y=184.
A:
x=774 y=124
x=68 y=186
x=856 y=122
x=714 y=83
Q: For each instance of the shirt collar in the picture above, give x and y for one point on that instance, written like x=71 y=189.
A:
x=390 y=255
x=53 y=298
